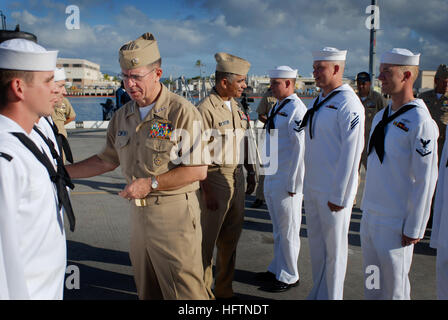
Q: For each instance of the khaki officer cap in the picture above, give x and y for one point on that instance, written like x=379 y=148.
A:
x=442 y=72
x=232 y=64
x=139 y=53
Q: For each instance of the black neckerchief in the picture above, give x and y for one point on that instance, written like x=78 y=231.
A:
x=379 y=133
x=59 y=178
x=270 y=121
x=310 y=112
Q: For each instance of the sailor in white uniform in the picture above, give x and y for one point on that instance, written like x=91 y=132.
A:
x=439 y=234
x=44 y=122
x=283 y=190
x=400 y=180
x=334 y=140
x=32 y=237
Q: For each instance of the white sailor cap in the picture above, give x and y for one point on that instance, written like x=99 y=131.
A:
x=59 y=74
x=283 y=72
x=26 y=55
x=400 y=56
x=329 y=54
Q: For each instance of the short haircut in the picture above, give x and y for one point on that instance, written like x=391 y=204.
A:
x=219 y=75
x=6 y=77
x=414 y=70
x=156 y=64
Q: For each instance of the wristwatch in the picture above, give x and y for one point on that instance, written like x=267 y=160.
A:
x=154 y=183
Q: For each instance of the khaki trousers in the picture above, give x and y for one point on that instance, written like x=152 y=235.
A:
x=166 y=248
x=222 y=227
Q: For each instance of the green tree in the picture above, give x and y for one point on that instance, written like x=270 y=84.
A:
x=199 y=64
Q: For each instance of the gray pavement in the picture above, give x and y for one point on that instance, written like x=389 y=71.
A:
x=100 y=244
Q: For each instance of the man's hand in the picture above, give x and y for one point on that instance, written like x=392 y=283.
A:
x=250 y=183
x=406 y=241
x=137 y=189
x=333 y=207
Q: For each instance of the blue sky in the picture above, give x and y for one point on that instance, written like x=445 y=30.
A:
x=265 y=32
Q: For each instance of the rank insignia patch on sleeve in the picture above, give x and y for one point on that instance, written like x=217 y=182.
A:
x=297 y=128
x=160 y=130
x=354 y=121
x=424 y=150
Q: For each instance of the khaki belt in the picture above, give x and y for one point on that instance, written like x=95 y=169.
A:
x=160 y=199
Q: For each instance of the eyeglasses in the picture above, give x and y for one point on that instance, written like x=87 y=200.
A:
x=134 y=77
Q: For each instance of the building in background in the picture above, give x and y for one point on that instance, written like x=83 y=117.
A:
x=85 y=78
x=425 y=80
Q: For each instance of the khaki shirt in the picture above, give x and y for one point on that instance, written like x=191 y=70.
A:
x=218 y=123
x=372 y=104
x=439 y=112
x=266 y=103
x=61 y=113
x=169 y=136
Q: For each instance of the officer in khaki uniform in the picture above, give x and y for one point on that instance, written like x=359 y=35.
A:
x=63 y=113
x=223 y=206
x=437 y=102
x=267 y=102
x=372 y=102
x=165 y=246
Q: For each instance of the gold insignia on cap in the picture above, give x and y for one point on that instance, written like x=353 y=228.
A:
x=231 y=64
x=139 y=53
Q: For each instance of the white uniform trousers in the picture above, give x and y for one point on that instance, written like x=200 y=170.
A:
x=286 y=216
x=442 y=273
x=328 y=241
x=381 y=247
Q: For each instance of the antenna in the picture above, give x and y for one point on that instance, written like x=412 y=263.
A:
x=3 y=17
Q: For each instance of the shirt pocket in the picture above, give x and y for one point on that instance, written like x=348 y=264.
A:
x=157 y=155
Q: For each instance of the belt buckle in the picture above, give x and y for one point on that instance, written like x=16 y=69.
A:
x=140 y=202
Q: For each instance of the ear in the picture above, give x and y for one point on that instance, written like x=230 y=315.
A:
x=159 y=73
x=17 y=90
x=336 y=69
x=407 y=75
x=224 y=83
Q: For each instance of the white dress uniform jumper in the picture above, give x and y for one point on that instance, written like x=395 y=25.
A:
x=334 y=140
x=32 y=245
x=286 y=211
x=439 y=234
x=400 y=181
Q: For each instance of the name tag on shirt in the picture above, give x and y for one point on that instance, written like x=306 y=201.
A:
x=283 y=114
x=223 y=123
x=332 y=107
x=122 y=133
